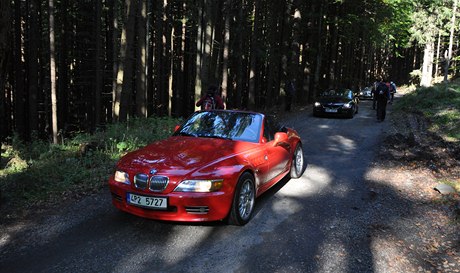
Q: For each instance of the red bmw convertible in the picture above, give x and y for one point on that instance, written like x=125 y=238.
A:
x=212 y=168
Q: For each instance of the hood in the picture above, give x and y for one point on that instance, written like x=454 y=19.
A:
x=180 y=155
x=334 y=100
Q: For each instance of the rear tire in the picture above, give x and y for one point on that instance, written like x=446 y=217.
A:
x=298 y=163
x=243 y=201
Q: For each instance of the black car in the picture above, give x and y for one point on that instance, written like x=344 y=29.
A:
x=366 y=93
x=336 y=102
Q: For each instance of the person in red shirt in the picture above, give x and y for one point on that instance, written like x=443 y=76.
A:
x=211 y=100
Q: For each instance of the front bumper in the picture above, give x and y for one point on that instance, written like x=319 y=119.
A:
x=322 y=111
x=182 y=206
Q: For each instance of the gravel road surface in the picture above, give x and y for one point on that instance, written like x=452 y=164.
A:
x=335 y=218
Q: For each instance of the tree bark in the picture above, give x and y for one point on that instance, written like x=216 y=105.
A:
x=54 y=114
x=128 y=62
x=451 y=42
x=33 y=67
x=97 y=106
x=427 y=68
x=141 y=83
x=5 y=52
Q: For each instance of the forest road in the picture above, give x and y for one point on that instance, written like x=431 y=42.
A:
x=317 y=223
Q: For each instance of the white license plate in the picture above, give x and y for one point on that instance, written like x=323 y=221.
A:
x=147 y=201
x=330 y=110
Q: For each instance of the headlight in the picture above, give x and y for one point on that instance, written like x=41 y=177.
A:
x=200 y=185
x=347 y=105
x=317 y=104
x=121 y=177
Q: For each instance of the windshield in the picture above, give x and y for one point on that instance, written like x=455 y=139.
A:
x=240 y=126
x=336 y=94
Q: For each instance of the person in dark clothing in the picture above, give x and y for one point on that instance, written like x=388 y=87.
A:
x=383 y=95
x=374 y=94
x=290 y=92
x=211 y=100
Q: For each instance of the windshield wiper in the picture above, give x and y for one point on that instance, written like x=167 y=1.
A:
x=220 y=137
x=186 y=134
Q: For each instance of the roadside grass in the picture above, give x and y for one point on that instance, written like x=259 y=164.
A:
x=40 y=172
x=440 y=104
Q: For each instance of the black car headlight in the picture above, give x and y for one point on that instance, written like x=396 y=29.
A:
x=347 y=105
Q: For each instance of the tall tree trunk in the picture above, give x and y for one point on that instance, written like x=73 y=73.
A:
x=63 y=67
x=159 y=67
x=254 y=47
x=32 y=60
x=438 y=49
x=319 y=56
x=97 y=107
x=199 y=51
x=427 y=69
x=5 y=50
x=226 y=50
x=239 y=57
x=141 y=83
x=116 y=78
x=169 y=59
x=19 y=97
x=54 y=116
x=451 y=42
x=128 y=61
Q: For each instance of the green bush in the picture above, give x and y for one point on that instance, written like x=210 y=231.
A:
x=39 y=171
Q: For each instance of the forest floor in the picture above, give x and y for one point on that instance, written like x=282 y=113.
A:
x=413 y=162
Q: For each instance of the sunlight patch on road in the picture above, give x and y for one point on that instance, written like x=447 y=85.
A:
x=332 y=254
x=341 y=144
x=314 y=180
x=178 y=247
x=10 y=232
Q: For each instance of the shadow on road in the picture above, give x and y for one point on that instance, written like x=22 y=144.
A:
x=329 y=220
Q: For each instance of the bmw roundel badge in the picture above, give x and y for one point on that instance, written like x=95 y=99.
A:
x=153 y=171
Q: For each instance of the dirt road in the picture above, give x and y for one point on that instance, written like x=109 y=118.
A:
x=347 y=213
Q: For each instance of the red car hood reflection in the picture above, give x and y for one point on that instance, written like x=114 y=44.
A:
x=180 y=155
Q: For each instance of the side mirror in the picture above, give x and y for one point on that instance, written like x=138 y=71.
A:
x=176 y=128
x=281 y=138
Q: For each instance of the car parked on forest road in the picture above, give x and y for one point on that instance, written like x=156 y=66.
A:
x=336 y=102
x=212 y=168
x=366 y=93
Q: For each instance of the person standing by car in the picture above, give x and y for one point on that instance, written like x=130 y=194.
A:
x=392 y=91
x=290 y=92
x=383 y=95
x=211 y=100
x=374 y=94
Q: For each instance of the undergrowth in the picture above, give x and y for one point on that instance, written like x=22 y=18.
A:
x=440 y=104
x=39 y=172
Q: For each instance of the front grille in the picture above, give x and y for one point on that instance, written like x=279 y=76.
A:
x=197 y=210
x=140 y=180
x=158 y=183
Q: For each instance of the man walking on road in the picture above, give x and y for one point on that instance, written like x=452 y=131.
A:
x=383 y=95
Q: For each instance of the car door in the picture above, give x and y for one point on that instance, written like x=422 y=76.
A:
x=278 y=157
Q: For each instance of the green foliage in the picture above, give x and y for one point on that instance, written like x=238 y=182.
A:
x=441 y=105
x=40 y=172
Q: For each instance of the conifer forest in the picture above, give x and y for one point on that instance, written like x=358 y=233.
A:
x=76 y=66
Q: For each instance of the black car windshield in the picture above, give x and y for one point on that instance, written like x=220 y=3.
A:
x=336 y=93
x=242 y=126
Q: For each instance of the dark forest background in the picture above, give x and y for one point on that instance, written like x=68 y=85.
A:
x=76 y=66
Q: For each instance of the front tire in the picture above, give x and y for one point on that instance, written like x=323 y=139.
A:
x=243 y=201
x=298 y=164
